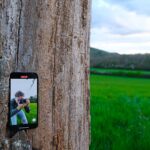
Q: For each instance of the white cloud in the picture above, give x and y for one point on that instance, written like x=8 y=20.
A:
x=128 y=43
x=131 y=21
x=139 y=6
x=115 y=28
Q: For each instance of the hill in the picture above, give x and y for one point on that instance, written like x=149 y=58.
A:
x=104 y=59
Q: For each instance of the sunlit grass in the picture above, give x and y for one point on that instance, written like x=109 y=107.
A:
x=120 y=113
x=31 y=115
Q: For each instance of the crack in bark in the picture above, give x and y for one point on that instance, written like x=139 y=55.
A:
x=19 y=29
x=53 y=96
x=3 y=107
x=1 y=29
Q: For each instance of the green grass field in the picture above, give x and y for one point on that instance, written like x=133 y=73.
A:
x=125 y=72
x=32 y=114
x=120 y=113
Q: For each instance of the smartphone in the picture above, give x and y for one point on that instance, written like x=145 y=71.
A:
x=23 y=100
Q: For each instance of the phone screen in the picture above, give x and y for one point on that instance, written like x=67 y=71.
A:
x=23 y=106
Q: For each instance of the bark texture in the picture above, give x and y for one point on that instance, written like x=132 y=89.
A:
x=50 y=37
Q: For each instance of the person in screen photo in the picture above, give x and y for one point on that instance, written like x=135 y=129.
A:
x=17 y=105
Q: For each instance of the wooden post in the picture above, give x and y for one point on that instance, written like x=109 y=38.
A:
x=51 y=38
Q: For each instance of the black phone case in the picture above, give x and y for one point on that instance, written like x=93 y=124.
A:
x=17 y=75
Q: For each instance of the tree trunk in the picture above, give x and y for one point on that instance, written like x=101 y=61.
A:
x=51 y=38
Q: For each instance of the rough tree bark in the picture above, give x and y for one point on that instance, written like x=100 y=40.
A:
x=50 y=37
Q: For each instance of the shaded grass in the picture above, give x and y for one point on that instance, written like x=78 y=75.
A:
x=120 y=113
x=120 y=72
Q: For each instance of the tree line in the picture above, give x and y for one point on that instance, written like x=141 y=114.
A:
x=103 y=59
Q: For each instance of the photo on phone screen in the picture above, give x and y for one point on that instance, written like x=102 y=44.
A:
x=23 y=105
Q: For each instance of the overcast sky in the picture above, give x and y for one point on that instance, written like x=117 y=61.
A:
x=121 y=26
x=27 y=86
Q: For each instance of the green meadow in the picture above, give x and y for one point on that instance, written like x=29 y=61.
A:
x=120 y=113
x=32 y=114
x=121 y=72
x=136 y=72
